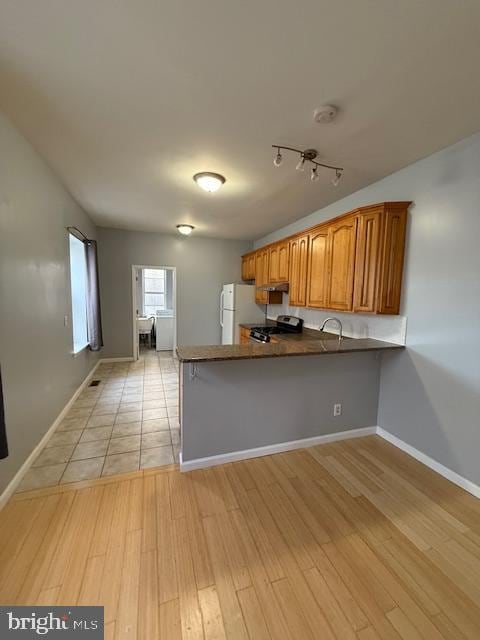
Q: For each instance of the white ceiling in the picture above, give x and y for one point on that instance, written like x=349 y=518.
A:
x=127 y=100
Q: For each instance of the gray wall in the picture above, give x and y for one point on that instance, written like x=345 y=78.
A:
x=203 y=266
x=430 y=394
x=244 y=404
x=38 y=369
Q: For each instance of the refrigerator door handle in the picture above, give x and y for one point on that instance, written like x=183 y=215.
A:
x=222 y=295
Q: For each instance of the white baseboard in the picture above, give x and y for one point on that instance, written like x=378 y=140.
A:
x=453 y=476
x=15 y=481
x=234 y=456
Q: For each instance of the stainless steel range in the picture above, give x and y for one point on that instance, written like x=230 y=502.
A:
x=284 y=324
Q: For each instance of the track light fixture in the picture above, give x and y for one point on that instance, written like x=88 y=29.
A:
x=308 y=155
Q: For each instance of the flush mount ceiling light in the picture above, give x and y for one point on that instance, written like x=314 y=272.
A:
x=307 y=155
x=208 y=181
x=185 y=229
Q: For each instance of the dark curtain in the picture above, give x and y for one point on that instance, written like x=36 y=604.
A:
x=94 y=318
x=3 y=432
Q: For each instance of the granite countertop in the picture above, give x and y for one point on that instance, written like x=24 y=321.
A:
x=297 y=345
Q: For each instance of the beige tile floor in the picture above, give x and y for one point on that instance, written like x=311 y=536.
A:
x=128 y=422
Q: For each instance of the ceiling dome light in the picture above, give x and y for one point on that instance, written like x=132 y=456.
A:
x=278 y=159
x=185 y=229
x=208 y=181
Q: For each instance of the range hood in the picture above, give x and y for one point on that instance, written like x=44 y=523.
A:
x=274 y=286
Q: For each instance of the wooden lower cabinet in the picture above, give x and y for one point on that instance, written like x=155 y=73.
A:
x=297 y=295
x=244 y=335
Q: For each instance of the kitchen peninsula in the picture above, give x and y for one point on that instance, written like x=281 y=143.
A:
x=243 y=401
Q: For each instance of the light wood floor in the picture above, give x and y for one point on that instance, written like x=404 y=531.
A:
x=342 y=541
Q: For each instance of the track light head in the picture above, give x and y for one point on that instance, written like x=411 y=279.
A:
x=277 y=161
x=301 y=163
x=337 y=178
x=314 y=177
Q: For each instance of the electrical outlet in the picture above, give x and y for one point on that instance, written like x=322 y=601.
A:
x=337 y=410
x=65 y=321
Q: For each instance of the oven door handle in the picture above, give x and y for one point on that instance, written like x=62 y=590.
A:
x=252 y=339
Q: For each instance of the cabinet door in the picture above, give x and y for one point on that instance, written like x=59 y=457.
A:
x=261 y=272
x=278 y=263
x=341 y=264
x=273 y=273
x=283 y=253
x=298 y=271
x=265 y=265
x=391 y=263
x=367 y=261
x=245 y=273
x=248 y=267
x=251 y=266
x=244 y=335
x=317 y=279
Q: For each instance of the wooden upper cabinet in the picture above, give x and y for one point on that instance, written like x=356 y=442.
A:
x=261 y=272
x=273 y=264
x=351 y=263
x=278 y=262
x=248 y=266
x=317 y=278
x=245 y=268
x=379 y=258
x=298 y=271
x=369 y=227
x=391 y=258
x=341 y=263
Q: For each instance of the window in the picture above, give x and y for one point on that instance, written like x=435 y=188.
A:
x=154 y=292
x=78 y=280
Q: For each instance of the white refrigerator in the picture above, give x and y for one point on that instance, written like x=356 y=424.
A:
x=238 y=306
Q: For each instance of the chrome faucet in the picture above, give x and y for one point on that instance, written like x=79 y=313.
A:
x=340 y=328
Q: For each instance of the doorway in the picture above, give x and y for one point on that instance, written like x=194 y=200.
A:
x=154 y=299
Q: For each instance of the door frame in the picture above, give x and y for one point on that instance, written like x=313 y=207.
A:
x=134 y=304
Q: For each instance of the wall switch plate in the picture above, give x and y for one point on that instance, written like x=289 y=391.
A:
x=337 y=410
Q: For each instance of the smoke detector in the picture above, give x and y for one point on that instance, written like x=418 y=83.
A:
x=325 y=114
